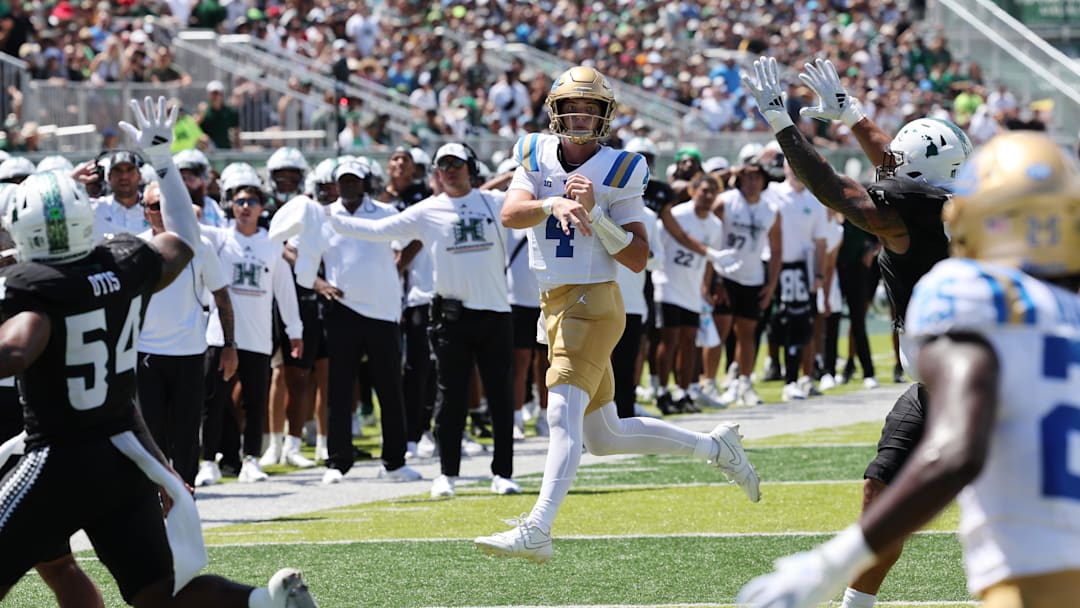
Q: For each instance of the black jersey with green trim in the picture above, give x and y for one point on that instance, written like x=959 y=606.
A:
x=919 y=206
x=82 y=386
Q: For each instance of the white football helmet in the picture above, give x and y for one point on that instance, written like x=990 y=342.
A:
x=16 y=168
x=641 y=145
x=284 y=159
x=322 y=186
x=239 y=175
x=192 y=160
x=54 y=162
x=927 y=149
x=50 y=219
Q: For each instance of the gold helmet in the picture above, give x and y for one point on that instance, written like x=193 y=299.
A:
x=1018 y=204
x=581 y=82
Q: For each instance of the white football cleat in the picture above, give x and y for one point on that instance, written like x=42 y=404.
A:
x=747 y=395
x=470 y=446
x=288 y=590
x=732 y=460
x=442 y=487
x=332 y=476
x=426 y=447
x=870 y=382
x=806 y=383
x=405 y=473
x=792 y=392
x=827 y=382
x=250 y=472
x=208 y=474
x=504 y=485
x=272 y=455
x=525 y=540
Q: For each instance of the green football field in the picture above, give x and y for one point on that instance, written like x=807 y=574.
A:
x=648 y=531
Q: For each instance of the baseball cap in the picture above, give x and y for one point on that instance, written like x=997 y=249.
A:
x=121 y=157
x=454 y=150
x=351 y=167
x=688 y=151
x=715 y=163
x=215 y=86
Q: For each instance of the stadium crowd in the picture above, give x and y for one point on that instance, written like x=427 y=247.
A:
x=687 y=52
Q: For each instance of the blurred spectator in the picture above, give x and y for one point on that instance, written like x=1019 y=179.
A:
x=164 y=71
x=218 y=120
x=354 y=137
x=16 y=29
x=510 y=99
x=1001 y=100
x=111 y=65
x=424 y=96
x=110 y=139
x=362 y=29
x=477 y=74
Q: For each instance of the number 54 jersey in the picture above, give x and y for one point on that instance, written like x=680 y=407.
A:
x=1021 y=516
x=618 y=179
x=82 y=386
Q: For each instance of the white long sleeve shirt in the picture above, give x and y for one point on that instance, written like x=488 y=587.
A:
x=256 y=274
x=464 y=237
x=175 y=322
x=363 y=270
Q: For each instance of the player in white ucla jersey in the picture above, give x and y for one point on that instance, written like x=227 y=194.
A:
x=582 y=203
x=995 y=333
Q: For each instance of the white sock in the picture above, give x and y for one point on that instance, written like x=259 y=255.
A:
x=519 y=420
x=292 y=444
x=654 y=381
x=857 y=599
x=268 y=439
x=606 y=434
x=260 y=598
x=566 y=413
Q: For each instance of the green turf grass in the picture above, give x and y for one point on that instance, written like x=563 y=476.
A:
x=642 y=571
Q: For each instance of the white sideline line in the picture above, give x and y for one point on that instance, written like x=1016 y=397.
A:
x=567 y=537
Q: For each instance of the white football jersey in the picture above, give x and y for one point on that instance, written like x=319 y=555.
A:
x=679 y=278
x=618 y=178
x=1021 y=516
x=632 y=284
x=746 y=230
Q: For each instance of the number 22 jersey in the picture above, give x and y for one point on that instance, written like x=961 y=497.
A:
x=618 y=179
x=1021 y=516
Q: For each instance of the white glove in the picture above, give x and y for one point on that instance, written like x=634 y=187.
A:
x=808 y=579
x=726 y=261
x=155 y=132
x=768 y=93
x=834 y=102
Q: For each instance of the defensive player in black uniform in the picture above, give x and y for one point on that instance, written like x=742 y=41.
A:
x=72 y=314
x=902 y=208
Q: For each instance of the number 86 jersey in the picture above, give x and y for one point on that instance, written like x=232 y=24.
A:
x=618 y=179
x=1021 y=516
x=82 y=386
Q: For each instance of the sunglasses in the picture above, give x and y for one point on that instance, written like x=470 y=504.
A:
x=153 y=206
x=246 y=202
x=445 y=164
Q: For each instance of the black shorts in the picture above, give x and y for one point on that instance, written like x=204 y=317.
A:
x=313 y=331
x=791 y=329
x=742 y=301
x=902 y=432
x=524 y=319
x=57 y=490
x=671 y=316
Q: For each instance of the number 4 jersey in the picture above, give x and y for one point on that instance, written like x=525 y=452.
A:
x=618 y=179
x=1021 y=516
x=83 y=384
